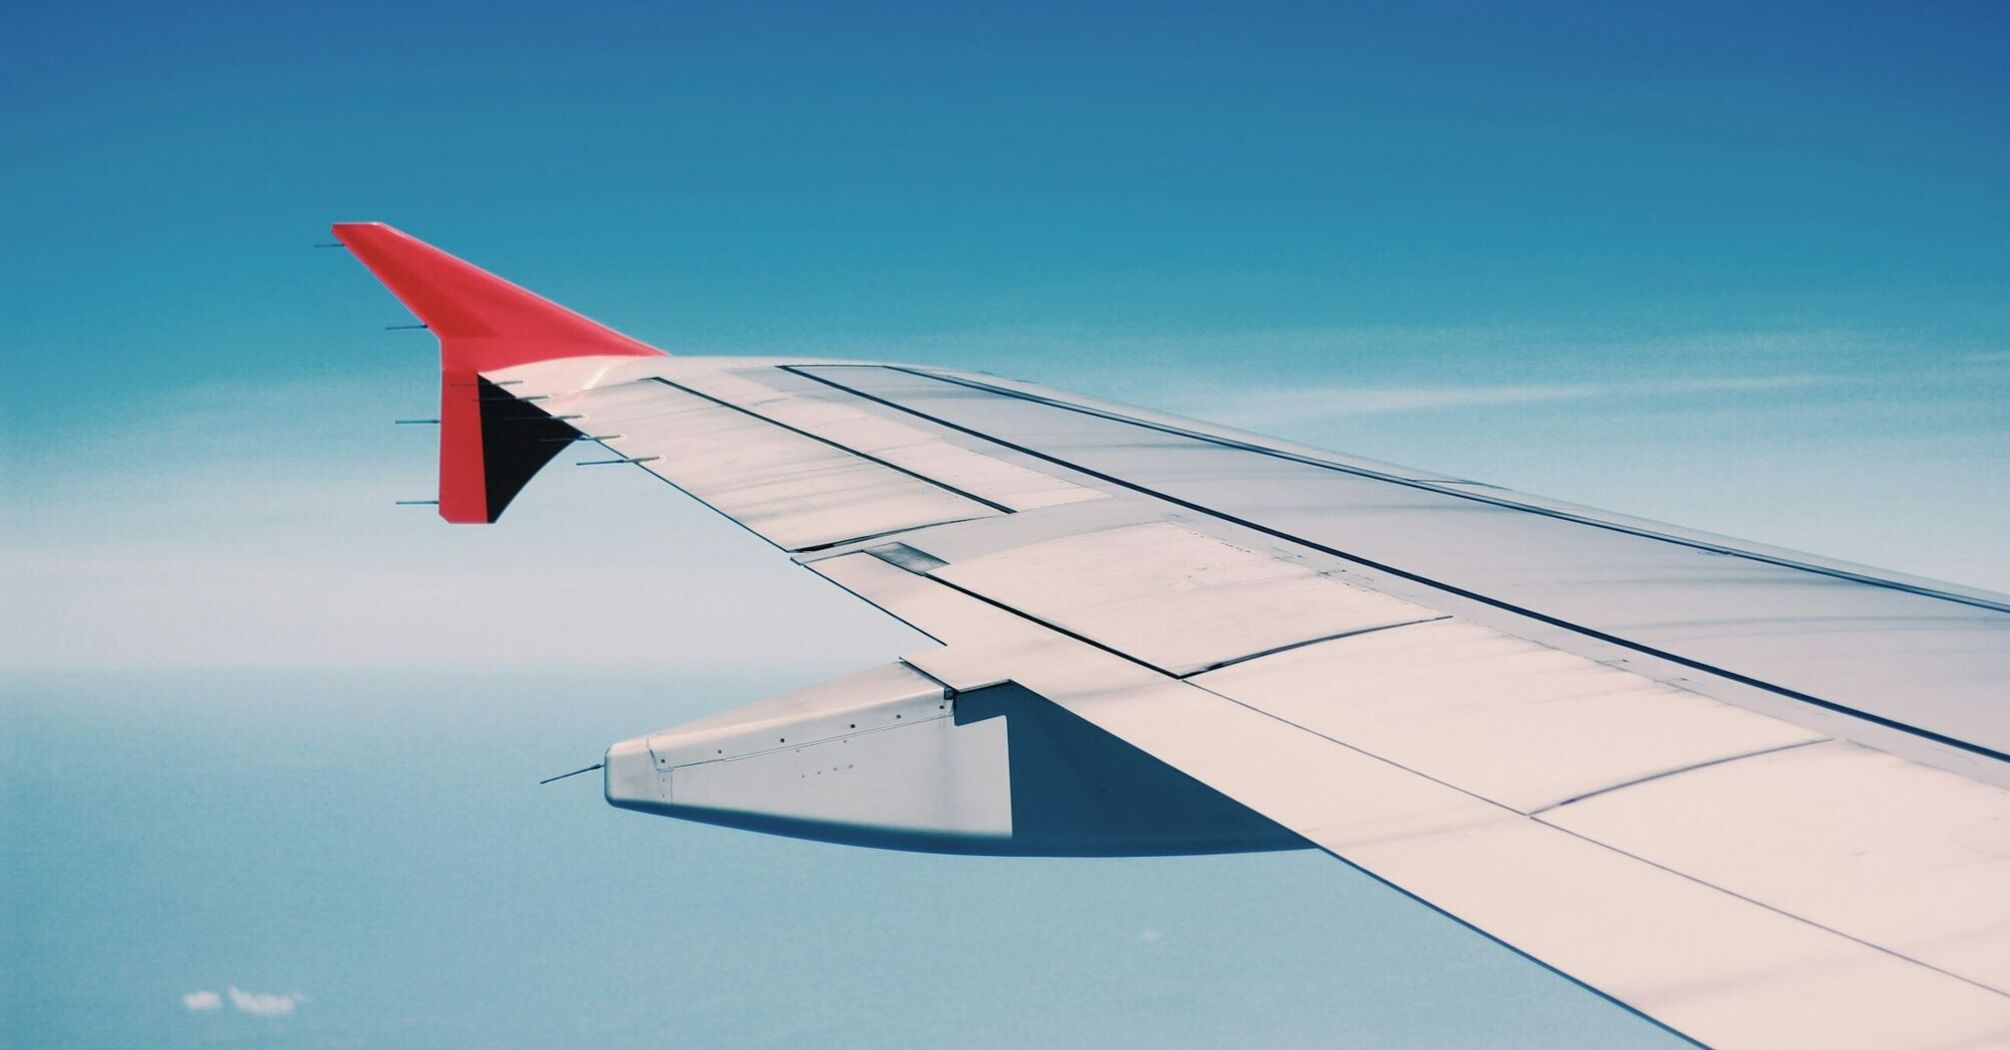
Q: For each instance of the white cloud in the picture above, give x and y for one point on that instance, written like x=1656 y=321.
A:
x=198 y=1002
x=264 y=1004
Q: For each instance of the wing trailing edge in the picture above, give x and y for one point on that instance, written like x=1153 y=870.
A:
x=487 y=446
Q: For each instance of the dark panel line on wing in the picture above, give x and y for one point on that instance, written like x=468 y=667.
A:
x=1048 y=624
x=1666 y=773
x=1287 y=647
x=1477 y=497
x=1589 y=632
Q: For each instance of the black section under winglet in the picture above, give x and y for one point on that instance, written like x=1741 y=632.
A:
x=518 y=439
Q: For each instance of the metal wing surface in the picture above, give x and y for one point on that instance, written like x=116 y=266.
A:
x=1756 y=796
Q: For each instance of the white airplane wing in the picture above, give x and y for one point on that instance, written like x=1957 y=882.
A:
x=1755 y=796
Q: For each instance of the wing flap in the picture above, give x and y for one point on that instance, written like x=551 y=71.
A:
x=1509 y=720
x=1173 y=598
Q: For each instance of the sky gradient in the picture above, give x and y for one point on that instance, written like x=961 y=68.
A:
x=1745 y=268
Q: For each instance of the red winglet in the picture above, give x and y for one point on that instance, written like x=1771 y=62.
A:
x=483 y=323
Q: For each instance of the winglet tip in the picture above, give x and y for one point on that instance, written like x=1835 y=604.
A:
x=343 y=230
x=483 y=323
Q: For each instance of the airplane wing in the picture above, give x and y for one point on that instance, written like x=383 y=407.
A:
x=1755 y=796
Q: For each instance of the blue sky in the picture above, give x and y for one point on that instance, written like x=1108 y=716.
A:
x=1741 y=267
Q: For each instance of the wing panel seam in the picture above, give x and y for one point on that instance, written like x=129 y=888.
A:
x=1676 y=772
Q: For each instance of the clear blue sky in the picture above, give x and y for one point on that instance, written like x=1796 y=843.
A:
x=1744 y=267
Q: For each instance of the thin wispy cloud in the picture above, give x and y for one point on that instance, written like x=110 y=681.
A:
x=1454 y=352
x=1280 y=377
x=258 y=1004
x=1298 y=405
x=264 y=1004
